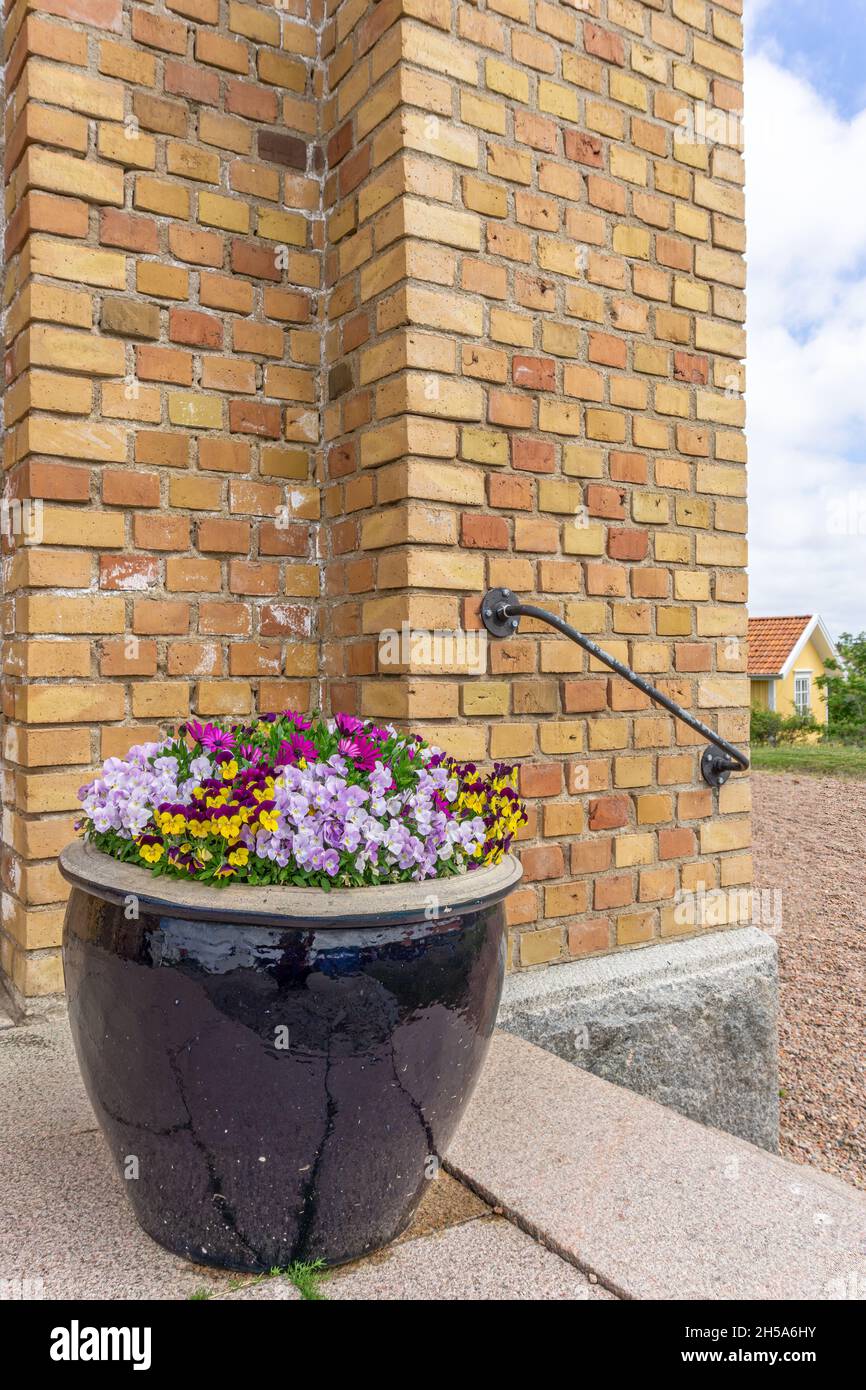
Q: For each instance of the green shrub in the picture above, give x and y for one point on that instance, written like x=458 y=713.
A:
x=768 y=727
x=844 y=689
x=765 y=725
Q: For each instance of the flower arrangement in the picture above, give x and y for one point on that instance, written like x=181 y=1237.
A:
x=313 y=802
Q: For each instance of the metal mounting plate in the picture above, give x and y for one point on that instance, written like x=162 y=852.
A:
x=491 y=605
x=715 y=767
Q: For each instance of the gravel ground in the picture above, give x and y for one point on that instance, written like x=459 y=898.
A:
x=810 y=842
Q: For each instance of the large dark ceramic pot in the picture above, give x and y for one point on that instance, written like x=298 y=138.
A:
x=275 y=1069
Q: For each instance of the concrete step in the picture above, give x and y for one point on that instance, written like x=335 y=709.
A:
x=655 y=1205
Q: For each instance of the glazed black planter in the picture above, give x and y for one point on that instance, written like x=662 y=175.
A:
x=276 y=1069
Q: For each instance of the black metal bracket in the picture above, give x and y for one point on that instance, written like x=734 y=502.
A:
x=501 y=613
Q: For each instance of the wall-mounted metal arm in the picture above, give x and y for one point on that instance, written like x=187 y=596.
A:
x=501 y=613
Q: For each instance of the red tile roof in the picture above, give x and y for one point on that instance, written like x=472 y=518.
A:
x=771 y=641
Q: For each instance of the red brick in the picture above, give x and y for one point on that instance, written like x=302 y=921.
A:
x=613 y=892
x=627 y=468
x=131 y=573
x=540 y=779
x=602 y=44
x=693 y=656
x=252 y=417
x=130 y=489
x=609 y=812
x=542 y=861
x=132 y=233
x=221 y=535
x=605 y=501
x=627 y=545
x=185 y=80
x=677 y=844
x=687 y=367
x=533 y=455
x=537 y=373
x=194 y=328
x=484 y=532
x=583 y=148
x=580 y=697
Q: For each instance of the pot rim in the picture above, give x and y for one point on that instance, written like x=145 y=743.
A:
x=94 y=872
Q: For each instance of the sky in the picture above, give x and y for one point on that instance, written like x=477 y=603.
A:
x=805 y=143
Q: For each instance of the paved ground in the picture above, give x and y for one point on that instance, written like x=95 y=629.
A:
x=65 y=1220
x=810 y=845
x=562 y=1187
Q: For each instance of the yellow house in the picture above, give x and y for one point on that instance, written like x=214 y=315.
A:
x=786 y=657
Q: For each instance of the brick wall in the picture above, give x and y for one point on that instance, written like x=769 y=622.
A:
x=163 y=247
x=471 y=278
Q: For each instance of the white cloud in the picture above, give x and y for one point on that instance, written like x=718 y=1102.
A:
x=806 y=219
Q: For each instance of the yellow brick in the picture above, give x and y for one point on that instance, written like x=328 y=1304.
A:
x=68 y=703
x=73 y=439
x=190 y=162
x=631 y=241
x=729 y=551
x=429 y=394
x=580 y=538
x=448 y=142
x=72 y=526
x=633 y=772
x=42 y=346
x=628 y=90
x=64 y=260
x=484 y=446
x=73 y=90
x=564 y=820
x=84 y=613
x=539 y=947
x=629 y=165
x=195 y=411
x=162 y=281
x=254 y=23
x=581 y=462
x=288 y=227
x=718 y=59
x=559 y=101
x=648 y=63
x=446 y=225
x=424 y=46
x=555 y=417
x=79 y=178
x=486 y=698
x=487 y=115
x=556 y=496
x=166 y=199
x=583 y=72
x=511 y=82
x=561 y=737
x=36 y=975
x=718 y=836
x=160 y=699
x=605 y=734
x=606 y=425
x=631 y=850
x=654 y=809
x=486 y=198
x=278 y=71
x=126 y=145
x=512 y=165
x=215 y=210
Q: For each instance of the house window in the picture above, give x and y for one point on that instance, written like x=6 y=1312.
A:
x=803 y=692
